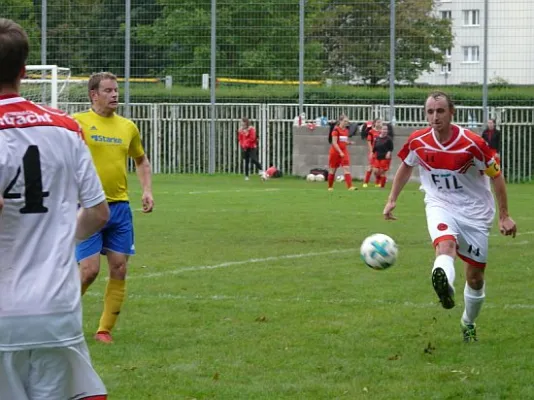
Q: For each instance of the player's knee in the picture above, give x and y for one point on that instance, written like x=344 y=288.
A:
x=475 y=283
x=89 y=271
x=475 y=278
x=117 y=270
x=447 y=247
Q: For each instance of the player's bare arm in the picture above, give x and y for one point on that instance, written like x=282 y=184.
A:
x=144 y=173
x=91 y=220
x=401 y=178
x=507 y=225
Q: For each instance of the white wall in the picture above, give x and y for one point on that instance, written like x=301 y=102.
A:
x=510 y=43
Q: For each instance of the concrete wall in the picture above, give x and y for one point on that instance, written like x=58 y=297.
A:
x=310 y=150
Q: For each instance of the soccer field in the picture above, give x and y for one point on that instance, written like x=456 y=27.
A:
x=251 y=290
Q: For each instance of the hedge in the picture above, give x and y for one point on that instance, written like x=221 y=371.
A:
x=462 y=95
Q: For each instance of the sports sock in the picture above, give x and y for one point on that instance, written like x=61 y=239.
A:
x=446 y=263
x=113 y=299
x=367 y=177
x=348 y=180
x=331 y=178
x=378 y=179
x=473 y=303
x=384 y=179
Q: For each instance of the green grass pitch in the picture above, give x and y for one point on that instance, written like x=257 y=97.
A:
x=251 y=290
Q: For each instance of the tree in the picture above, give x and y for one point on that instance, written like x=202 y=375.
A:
x=255 y=40
x=23 y=13
x=356 y=38
x=89 y=35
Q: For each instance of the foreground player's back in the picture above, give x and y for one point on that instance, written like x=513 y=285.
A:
x=45 y=169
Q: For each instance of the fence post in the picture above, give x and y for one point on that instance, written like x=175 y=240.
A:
x=156 y=156
x=264 y=133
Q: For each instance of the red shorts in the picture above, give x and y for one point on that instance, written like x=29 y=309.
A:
x=382 y=164
x=336 y=161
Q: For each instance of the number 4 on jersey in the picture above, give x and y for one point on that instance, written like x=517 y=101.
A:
x=33 y=183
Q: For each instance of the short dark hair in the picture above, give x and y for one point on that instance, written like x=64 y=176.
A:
x=14 y=49
x=246 y=121
x=96 y=78
x=437 y=94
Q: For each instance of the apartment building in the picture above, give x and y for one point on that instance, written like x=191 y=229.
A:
x=510 y=43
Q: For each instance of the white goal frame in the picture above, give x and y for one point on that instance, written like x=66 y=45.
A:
x=56 y=86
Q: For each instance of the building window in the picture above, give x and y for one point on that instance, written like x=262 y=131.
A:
x=471 y=54
x=471 y=17
x=446 y=14
x=446 y=68
x=448 y=53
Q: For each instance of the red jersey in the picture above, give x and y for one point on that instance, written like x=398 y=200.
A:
x=453 y=174
x=372 y=135
x=247 y=138
x=342 y=135
x=270 y=171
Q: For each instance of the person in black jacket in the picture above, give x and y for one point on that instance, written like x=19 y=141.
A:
x=492 y=136
x=382 y=150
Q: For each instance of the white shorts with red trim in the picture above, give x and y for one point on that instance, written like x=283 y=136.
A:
x=471 y=239
x=49 y=374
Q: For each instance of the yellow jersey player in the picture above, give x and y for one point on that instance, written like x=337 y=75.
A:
x=111 y=140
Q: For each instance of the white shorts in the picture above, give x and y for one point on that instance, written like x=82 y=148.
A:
x=471 y=239
x=58 y=373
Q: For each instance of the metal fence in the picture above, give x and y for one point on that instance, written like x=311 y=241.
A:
x=364 y=42
x=176 y=136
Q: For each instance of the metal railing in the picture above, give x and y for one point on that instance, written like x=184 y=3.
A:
x=176 y=136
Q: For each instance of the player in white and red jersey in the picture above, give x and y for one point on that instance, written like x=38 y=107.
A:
x=456 y=166
x=45 y=171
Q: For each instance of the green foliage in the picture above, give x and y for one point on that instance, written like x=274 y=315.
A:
x=463 y=95
x=260 y=40
x=254 y=40
x=88 y=35
x=356 y=38
x=24 y=13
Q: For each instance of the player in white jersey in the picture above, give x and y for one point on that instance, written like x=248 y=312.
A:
x=45 y=170
x=455 y=167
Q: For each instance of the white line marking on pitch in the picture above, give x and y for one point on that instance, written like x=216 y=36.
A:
x=376 y=302
x=243 y=262
x=260 y=260
x=224 y=191
x=234 y=191
x=518 y=233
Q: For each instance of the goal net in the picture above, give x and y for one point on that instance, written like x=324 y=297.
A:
x=46 y=84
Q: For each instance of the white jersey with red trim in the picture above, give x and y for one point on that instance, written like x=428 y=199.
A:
x=452 y=174
x=45 y=171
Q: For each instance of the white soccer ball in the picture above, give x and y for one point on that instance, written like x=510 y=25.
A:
x=310 y=178
x=264 y=176
x=379 y=251
x=340 y=178
x=319 y=178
